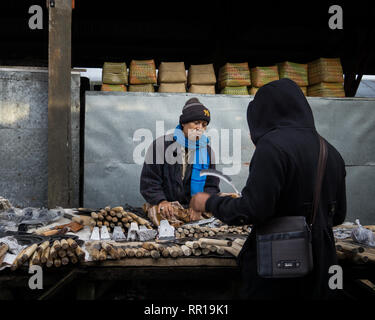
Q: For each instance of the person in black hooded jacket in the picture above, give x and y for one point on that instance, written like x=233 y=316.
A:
x=281 y=183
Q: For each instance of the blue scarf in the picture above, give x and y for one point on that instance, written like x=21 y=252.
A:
x=201 y=161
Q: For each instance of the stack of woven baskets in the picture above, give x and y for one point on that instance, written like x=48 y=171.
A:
x=114 y=76
x=202 y=79
x=172 y=77
x=142 y=76
x=261 y=76
x=234 y=78
x=325 y=78
x=296 y=72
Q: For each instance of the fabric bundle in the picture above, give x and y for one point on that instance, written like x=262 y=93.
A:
x=263 y=75
x=172 y=77
x=142 y=72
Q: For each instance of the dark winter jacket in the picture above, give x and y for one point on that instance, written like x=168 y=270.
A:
x=280 y=183
x=161 y=180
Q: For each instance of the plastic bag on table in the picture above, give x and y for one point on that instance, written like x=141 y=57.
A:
x=363 y=235
x=31 y=216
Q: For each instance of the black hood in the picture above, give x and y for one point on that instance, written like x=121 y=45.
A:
x=280 y=103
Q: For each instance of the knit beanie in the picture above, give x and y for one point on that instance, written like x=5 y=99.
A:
x=194 y=110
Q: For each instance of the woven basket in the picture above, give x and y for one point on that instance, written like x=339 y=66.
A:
x=234 y=75
x=113 y=87
x=141 y=88
x=235 y=90
x=304 y=90
x=172 y=72
x=263 y=75
x=172 y=87
x=253 y=91
x=326 y=89
x=196 y=88
x=325 y=70
x=115 y=73
x=142 y=72
x=201 y=74
x=294 y=71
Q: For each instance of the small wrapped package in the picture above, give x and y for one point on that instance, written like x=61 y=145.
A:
x=201 y=74
x=142 y=72
x=172 y=72
x=115 y=73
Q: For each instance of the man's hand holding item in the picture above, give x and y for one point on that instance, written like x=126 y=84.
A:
x=166 y=209
x=198 y=201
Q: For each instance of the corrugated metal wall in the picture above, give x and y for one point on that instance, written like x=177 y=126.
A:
x=23 y=135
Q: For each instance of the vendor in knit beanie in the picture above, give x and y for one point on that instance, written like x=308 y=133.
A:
x=194 y=110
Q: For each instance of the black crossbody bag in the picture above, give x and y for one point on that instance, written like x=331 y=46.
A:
x=284 y=245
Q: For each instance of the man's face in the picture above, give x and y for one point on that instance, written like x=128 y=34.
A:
x=194 y=130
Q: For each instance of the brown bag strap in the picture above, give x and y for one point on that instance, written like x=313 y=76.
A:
x=323 y=153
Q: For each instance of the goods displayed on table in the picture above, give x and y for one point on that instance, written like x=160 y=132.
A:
x=202 y=89
x=117 y=216
x=263 y=75
x=50 y=253
x=114 y=73
x=142 y=72
x=113 y=87
x=234 y=78
x=181 y=215
x=202 y=74
x=196 y=231
x=125 y=232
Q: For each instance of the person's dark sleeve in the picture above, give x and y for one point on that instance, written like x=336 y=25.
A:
x=340 y=214
x=259 y=196
x=212 y=183
x=151 y=183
